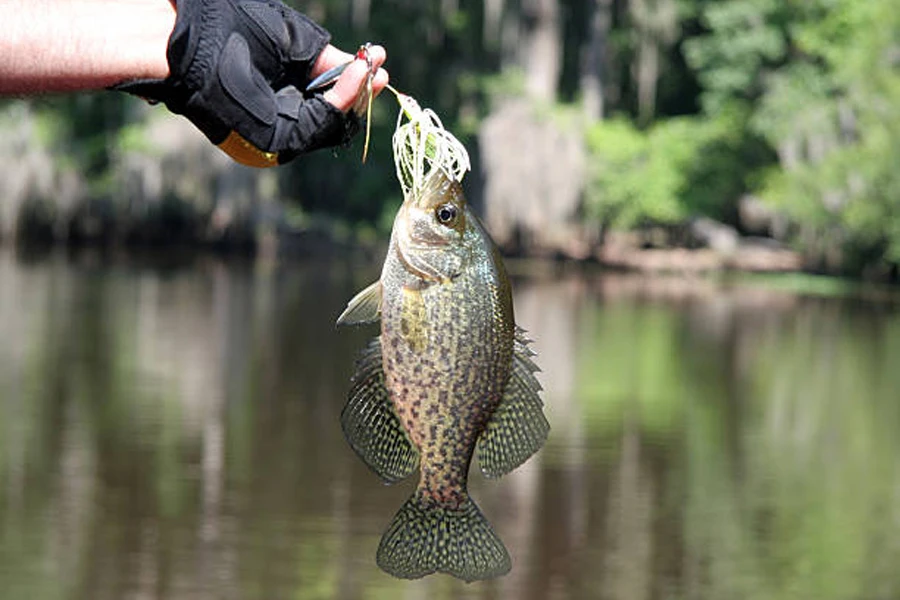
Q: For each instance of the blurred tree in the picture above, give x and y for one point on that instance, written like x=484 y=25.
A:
x=595 y=59
x=540 y=48
x=741 y=41
x=833 y=114
x=654 y=26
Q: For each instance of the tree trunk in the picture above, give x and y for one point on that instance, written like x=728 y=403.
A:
x=493 y=20
x=361 y=12
x=595 y=60
x=647 y=77
x=534 y=175
x=541 y=48
x=655 y=25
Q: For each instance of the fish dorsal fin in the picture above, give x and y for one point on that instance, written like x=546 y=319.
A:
x=518 y=427
x=371 y=425
x=364 y=307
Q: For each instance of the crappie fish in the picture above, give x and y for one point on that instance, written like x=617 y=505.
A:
x=450 y=376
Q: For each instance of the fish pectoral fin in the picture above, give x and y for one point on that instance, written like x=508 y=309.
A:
x=371 y=425
x=518 y=427
x=364 y=307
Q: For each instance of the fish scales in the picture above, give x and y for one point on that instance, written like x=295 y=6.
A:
x=440 y=385
x=445 y=390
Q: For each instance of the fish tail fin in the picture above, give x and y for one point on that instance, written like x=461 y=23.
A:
x=425 y=538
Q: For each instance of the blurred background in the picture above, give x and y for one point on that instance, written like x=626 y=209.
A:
x=671 y=182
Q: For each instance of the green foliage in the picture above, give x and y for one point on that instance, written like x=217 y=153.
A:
x=745 y=38
x=680 y=167
x=834 y=115
x=637 y=177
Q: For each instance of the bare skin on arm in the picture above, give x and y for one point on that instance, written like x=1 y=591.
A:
x=69 y=45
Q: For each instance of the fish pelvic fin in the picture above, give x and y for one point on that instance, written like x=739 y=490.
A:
x=518 y=427
x=364 y=307
x=371 y=424
x=426 y=538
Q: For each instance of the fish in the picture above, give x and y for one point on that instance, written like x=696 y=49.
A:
x=450 y=377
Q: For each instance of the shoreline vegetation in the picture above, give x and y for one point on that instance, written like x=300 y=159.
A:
x=188 y=234
x=271 y=230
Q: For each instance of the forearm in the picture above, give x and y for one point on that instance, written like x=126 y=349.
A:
x=65 y=45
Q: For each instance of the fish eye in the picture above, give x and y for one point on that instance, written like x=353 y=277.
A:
x=446 y=214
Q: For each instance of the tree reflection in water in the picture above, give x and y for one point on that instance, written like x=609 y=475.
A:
x=172 y=432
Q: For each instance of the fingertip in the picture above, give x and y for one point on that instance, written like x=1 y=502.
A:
x=377 y=54
x=380 y=81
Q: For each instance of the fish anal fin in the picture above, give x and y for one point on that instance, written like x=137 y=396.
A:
x=426 y=538
x=364 y=307
x=518 y=427
x=371 y=425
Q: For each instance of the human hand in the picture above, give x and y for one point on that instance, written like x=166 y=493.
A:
x=349 y=89
x=237 y=71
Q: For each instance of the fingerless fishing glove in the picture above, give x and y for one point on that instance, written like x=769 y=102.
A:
x=237 y=68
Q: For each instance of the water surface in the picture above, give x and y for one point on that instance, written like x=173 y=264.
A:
x=170 y=431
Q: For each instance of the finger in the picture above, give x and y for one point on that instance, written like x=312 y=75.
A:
x=348 y=86
x=329 y=57
x=380 y=81
x=377 y=55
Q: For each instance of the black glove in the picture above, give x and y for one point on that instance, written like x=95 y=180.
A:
x=236 y=71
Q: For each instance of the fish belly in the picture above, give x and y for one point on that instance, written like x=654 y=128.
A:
x=445 y=368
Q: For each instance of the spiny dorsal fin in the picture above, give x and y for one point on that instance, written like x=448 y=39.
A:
x=371 y=425
x=518 y=427
x=364 y=307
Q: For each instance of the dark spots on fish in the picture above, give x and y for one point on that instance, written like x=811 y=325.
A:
x=433 y=432
x=444 y=496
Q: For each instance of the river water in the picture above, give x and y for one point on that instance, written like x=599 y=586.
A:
x=170 y=430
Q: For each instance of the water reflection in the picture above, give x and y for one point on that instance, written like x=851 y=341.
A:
x=172 y=432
